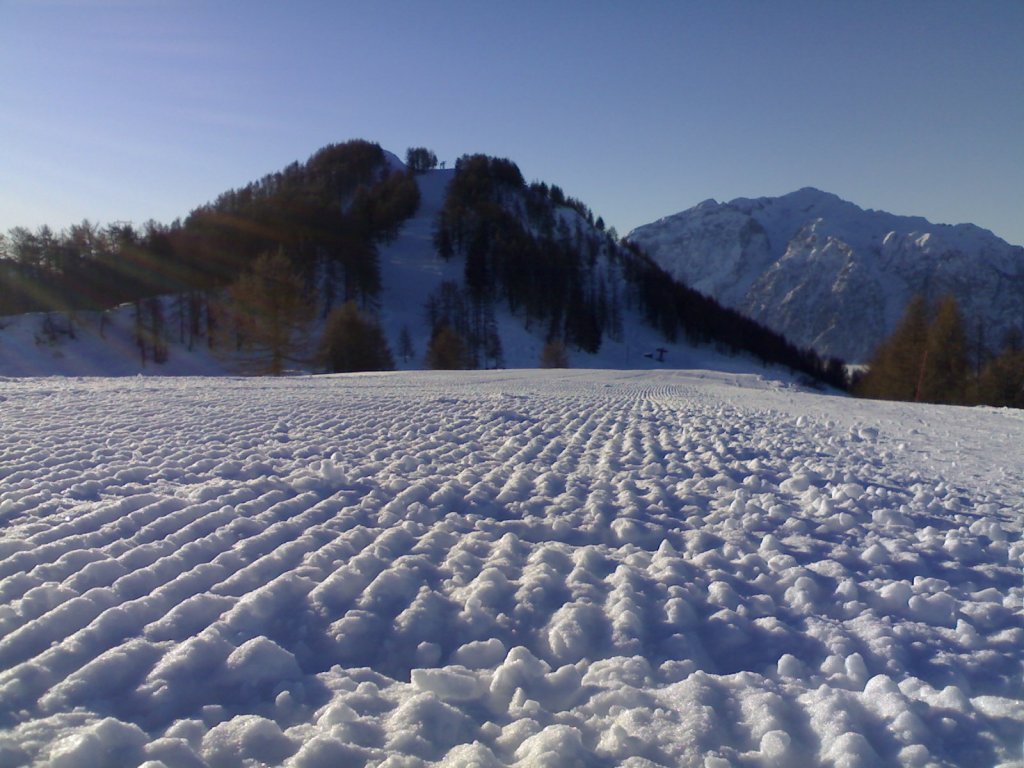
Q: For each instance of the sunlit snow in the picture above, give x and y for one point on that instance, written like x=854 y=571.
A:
x=831 y=276
x=505 y=568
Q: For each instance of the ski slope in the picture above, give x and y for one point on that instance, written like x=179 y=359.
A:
x=90 y=343
x=527 y=568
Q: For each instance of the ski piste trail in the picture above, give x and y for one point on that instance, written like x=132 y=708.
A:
x=526 y=568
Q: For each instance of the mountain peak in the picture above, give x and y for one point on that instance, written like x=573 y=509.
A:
x=801 y=199
x=830 y=275
x=812 y=195
x=812 y=192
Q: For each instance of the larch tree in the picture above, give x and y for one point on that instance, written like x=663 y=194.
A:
x=420 y=159
x=354 y=341
x=944 y=375
x=554 y=355
x=405 y=347
x=447 y=351
x=896 y=368
x=270 y=312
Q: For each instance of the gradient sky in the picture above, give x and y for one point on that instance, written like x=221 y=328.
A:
x=137 y=109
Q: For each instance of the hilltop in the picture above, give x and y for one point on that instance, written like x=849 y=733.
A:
x=510 y=267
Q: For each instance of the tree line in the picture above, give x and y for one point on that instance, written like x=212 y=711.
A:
x=931 y=358
x=521 y=250
x=314 y=227
x=545 y=257
x=326 y=215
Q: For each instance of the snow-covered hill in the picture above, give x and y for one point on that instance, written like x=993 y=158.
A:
x=92 y=343
x=832 y=276
x=505 y=568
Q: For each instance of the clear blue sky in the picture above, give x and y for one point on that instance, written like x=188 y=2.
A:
x=136 y=109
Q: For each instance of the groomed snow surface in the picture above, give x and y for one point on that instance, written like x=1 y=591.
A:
x=505 y=568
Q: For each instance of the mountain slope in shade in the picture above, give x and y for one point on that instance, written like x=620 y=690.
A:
x=832 y=276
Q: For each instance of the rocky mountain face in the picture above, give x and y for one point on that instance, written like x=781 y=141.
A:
x=832 y=276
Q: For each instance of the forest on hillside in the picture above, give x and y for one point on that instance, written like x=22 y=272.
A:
x=258 y=265
x=545 y=256
x=324 y=220
x=326 y=215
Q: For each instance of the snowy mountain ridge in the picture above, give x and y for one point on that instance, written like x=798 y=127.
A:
x=832 y=276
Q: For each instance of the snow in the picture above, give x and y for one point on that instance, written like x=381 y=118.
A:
x=504 y=568
x=831 y=276
x=105 y=344
x=411 y=271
